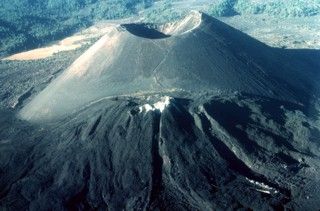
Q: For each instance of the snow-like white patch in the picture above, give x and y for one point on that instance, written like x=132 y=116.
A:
x=160 y=105
x=263 y=187
x=166 y=160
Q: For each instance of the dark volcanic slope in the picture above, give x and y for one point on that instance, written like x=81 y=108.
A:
x=202 y=154
x=195 y=116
